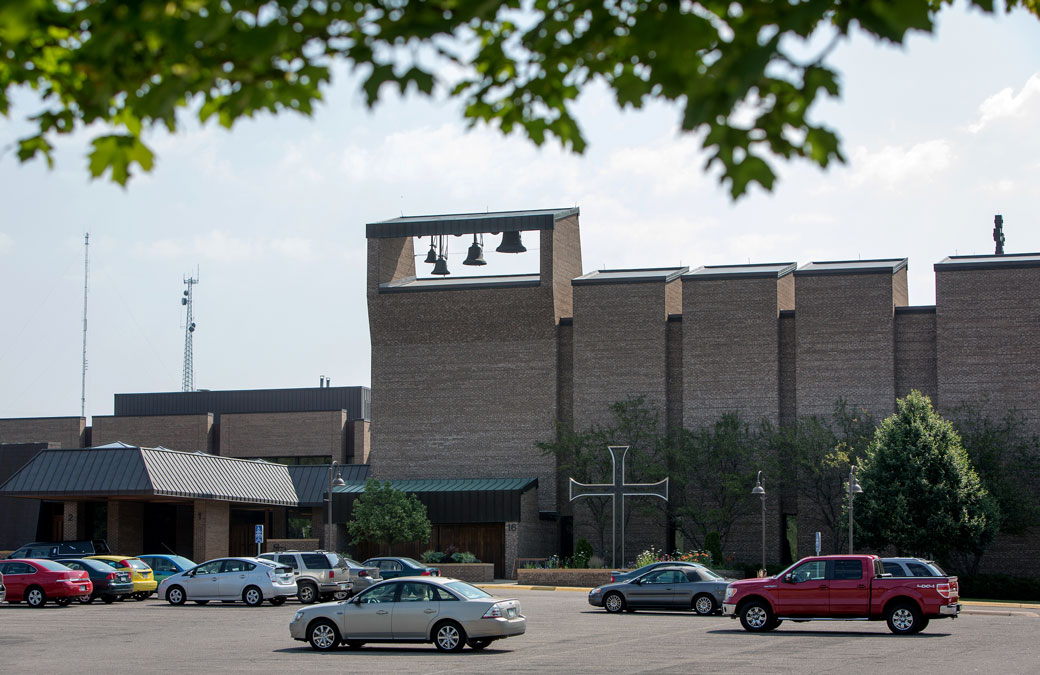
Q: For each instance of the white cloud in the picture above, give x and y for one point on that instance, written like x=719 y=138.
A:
x=220 y=246
x=673 y=166
x=6 y=244
x=895 y=165
x=1005 y=104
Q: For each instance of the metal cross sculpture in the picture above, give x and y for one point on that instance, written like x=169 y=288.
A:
x=617 y=490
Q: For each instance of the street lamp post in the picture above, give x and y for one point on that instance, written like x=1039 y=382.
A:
x=854 y=489
x=761 y=491
x=329 y=546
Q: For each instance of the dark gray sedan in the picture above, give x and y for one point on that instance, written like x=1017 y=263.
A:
x=689 y=588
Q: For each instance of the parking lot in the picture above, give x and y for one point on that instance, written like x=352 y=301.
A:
x=563 y=634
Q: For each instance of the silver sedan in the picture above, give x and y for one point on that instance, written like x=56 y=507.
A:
x=695 y=588
x=447 y=612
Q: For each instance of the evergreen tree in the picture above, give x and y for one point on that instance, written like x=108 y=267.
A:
x=388 y=516
x=921 y=495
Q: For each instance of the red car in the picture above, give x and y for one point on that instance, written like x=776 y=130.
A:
x=37 y=581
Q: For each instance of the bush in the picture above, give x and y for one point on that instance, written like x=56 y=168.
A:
x=595 y=562
x=431 y=557
x=713 y=545
x=464 y=557
x=1000 y=587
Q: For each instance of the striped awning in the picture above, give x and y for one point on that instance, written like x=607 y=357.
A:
x=119 y=469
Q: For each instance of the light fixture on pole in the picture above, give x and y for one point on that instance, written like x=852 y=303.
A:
x=761 y=492
x=854 y=489
x=329 y=546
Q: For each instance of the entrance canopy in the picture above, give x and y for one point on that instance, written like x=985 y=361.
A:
x=121 y=470
x=449 y=500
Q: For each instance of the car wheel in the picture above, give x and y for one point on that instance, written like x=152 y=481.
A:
x=614 y=603
x=904 y=618
x=140 y=596
x=175 y=595
x=201 y=602
x=479 y=644
x=323 y=635
x=448 y=636
x=307 y=593
x=85 y=599
x=277 y=601
x=757 y=617
x=253 y=596
x=108 y=599
x=704 y=604
x=35 y=597
x=62 y=602
x=355 y=644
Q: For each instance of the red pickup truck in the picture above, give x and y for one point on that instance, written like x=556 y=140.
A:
x=841 y=588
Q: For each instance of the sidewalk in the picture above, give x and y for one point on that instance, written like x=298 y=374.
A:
x=968 y=606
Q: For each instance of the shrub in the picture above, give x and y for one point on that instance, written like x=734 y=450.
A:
x=595 y=562
x=429 y=557
x=464 y=557
x=713 y=545
x=999 y=587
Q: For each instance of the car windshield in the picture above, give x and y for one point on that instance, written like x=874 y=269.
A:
x=138 y=564
x=269 y=563
x=337 y=560
x=467 y=591
x=182 y=562
x=710 y=573
x=412 y=561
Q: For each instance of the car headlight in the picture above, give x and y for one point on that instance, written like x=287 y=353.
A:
x=299 y=615
x=595 y=591
x=729 y=592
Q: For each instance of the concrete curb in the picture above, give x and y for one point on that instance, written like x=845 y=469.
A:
x=981 y=607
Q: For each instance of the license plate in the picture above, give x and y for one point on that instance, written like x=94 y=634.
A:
x=82 y=588
x=510 y=613
x=344 y=587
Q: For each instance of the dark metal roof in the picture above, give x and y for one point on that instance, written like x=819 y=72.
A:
x=472 y=500
x=411 y=284
x=118 y=469
x=633 y=276
x=988 y=262
x=311 y=481
x=357 y=401
x=468 y=223
x=881 y=266
x=753 y=271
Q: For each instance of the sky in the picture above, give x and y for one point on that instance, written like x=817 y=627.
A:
x=940 y=135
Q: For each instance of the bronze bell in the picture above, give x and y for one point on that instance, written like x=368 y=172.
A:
x=511 y=243
x=440 y=267
x=476 y=254
x=431 y=256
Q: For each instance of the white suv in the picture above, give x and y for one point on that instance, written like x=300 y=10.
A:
x=319 y=574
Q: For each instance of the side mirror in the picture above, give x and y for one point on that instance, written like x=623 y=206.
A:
x=356 y=600
x=789 y=578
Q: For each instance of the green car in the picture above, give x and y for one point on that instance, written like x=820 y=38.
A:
x=166 y=565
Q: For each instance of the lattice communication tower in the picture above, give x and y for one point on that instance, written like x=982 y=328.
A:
x=188 y=380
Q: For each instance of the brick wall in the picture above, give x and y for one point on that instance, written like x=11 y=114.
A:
x=192 y=433
x=285 y=434
x=619 y=347
x=730 y=348
x=915 y=351
x=988 y=340
x=60 y=432
x=846 y=341
x=788 y=385
x=212 y=529
x=361 y=442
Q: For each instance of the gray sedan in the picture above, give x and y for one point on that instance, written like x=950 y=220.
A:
x=447 y=612
x=685 y=587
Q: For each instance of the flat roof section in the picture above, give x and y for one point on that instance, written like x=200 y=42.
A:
x=411 y=284
x=633 y=276
x=879 y=266
x=752 y=271
x=988 y=262
x=468 y=223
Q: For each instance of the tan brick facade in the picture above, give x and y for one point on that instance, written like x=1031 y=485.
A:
x=321 y=433
x=60 y=432
x=192 y=433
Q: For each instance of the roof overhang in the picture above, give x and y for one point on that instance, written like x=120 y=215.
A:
x=449 y=500
x=150 y=474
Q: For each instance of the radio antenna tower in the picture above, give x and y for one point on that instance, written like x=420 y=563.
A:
x=188 y=381
x=83 y=382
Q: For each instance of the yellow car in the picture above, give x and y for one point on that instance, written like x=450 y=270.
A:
x=141 y=574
